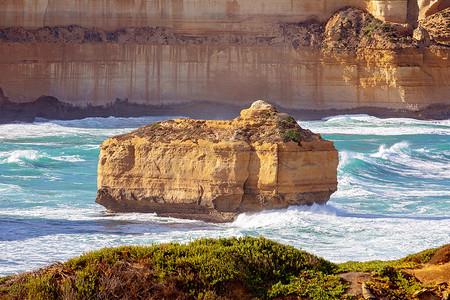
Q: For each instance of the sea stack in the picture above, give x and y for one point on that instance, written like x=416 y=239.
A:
x=215 y=170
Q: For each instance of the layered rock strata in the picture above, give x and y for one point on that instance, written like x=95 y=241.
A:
x=214 y=170
x=199 y=15
x=310 y=63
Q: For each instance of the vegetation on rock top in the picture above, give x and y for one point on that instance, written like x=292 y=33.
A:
x=351 y=30
x=266 y=125
x=348 y=29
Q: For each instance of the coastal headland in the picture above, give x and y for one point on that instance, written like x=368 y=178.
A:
x=74 y=59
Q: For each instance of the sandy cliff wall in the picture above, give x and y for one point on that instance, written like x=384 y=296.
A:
x=175 y=74
x=221 y=52
x=186 y=15
x=97 y=74
x=428 y=7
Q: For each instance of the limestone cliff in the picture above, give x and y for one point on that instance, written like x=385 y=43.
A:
x=200 y=15
x=214 y=170
x=310 y=57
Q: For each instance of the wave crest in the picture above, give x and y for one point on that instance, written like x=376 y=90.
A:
x=22 y=157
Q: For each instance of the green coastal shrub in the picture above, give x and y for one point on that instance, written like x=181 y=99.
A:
x=210 y=264
x=316 y=285
x=202 y=269
x=209 y=269
x=291 y=135
x=38 y=287
x=86 y=284
x=394 y=283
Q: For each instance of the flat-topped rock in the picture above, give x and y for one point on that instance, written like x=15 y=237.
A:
x=214 y=170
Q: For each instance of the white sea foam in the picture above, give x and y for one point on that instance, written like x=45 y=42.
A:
x=401 y=154
x=110 y=122
x=323 y=230
x=17 y=132
x=352 y=233
x=6 y=188
x=352 y=191
x=396 y=150
x=62 y=212
x=69 y=158
x=22 y=156
x=18 y=156
x=399 y=158
x=368 y=125
x=346 y=157
x=339 y=117
x=420 y=193
x=88 y=213
x=276 y=219
x=90 y=147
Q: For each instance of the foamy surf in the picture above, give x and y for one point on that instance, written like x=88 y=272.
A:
x=368 y=125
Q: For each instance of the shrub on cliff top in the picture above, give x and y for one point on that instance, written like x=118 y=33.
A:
x=205 y=268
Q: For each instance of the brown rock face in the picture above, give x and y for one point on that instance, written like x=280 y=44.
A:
x=421 y=34
x=313 y=58
x=214 y=170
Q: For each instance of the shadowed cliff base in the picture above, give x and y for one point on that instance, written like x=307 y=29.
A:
x=48 y=107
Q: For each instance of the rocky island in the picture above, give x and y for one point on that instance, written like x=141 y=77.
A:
x=214 y=170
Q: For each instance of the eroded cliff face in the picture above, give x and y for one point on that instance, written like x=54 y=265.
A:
x=350 y=63
x=214 y=170
x=196 y=15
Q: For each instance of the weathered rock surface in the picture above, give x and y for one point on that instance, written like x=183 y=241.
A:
x=198 y=15
x=438 y=26
x=312 y=58
x=214 y=170
x=421 y=34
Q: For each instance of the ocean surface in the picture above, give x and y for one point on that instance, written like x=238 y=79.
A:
x=393 y=197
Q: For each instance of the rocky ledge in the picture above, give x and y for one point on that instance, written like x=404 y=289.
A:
x=214 y=170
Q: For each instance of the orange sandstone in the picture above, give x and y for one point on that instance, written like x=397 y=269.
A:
x=214 y=170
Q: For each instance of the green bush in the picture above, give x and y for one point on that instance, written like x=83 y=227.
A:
x=203 y=269
x=86 y=283
x=209 y=269
x=35 y=288
x=394 y=283
x=312 y=284
x=291 y=135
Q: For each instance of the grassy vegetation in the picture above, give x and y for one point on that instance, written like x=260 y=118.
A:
x=393 y=283
x=389 y=280
x=203 y=269
x=287 y=127
x=229 y=268
x=374 y=265
x=409 y=262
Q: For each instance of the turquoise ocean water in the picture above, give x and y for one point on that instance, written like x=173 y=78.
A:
x=393 y=197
